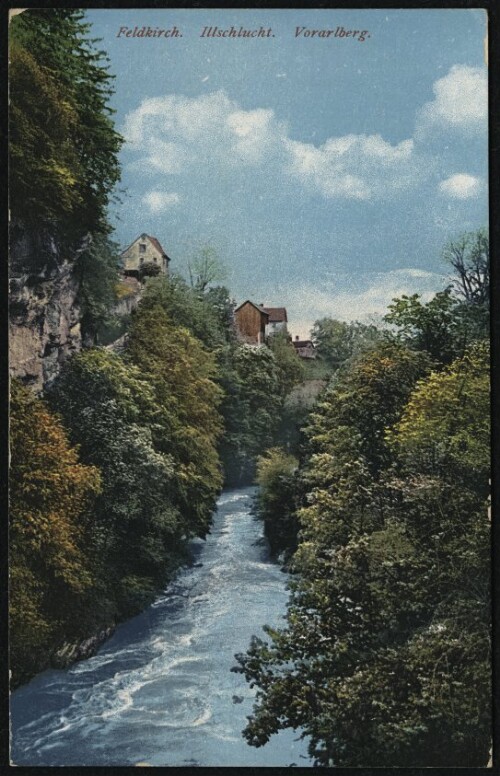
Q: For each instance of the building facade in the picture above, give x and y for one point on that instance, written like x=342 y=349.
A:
x=277 y=321
x=144 y=250
x=304 y=348
x=251 y=321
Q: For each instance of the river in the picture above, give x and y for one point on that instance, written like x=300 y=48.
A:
x=160 y=691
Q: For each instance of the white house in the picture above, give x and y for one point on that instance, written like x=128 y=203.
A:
x=144 y=250
x=277 y=320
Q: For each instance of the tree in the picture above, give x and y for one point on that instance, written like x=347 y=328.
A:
x=182 y=374
x=111 y=411
x=445 y=427
x=205 y=316
x=290 y=367
x=276 y=471
x=337 y=341
x=51 y=493
x=432 y=327
x=469 y=255
x=205 y=269
x=149 y=270
x=64 y=148
x=384 y=659
x=96 y=269
x=251 y=410
x=456 y=317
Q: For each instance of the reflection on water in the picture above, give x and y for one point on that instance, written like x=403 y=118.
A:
x=160 y=691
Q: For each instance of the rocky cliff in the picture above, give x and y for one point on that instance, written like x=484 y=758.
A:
x=44 y=317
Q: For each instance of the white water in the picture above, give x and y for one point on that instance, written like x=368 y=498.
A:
x=160 y=691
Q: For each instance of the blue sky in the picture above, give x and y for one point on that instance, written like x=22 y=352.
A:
x=327 y=173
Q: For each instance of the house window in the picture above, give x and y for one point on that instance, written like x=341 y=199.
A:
x=142 y=247
x=141 y=260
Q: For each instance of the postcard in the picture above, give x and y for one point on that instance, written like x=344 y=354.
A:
x=249 y=355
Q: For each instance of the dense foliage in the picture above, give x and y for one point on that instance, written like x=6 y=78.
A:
x=63 y=145
x=148 y=424
x=96 y=272
x=385 y=657
x=51 y=495
x=277 y=499
x=254 y=381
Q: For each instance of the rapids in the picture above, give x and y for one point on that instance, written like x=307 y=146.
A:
x=160 y=691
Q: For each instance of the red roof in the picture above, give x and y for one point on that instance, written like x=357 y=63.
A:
x=276 y=314
x=157 y=245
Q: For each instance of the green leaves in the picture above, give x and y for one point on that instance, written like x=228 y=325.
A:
x=454 y=318
x=251 y=410
x=445 y=427
x=277 y=498
x=182 y=373
x=384 y=660
x=96 y=270
x=338 y=341
x=51 y=495
x=64 y=148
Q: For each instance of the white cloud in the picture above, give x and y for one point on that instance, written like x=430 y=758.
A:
x=213 y=134
x=256 y=133
x=461 y=101
x=461 y=186
x=158 y=201
x=362 y=304
x=174 y=132
x=354 y=166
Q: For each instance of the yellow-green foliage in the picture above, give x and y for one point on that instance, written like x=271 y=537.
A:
x=123 y=290
x=182 y=372
x=276 y=477
x=50 y=492
x=42 y=152
x=446 y=422
x=63 y=146
x=274 y=464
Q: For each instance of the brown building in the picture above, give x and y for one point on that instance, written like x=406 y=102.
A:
x=256 y=322
x=251 y=321
x=304 y=348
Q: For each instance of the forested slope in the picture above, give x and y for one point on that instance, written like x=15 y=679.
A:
x=385 y=659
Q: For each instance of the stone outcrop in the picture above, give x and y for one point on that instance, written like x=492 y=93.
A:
x=129 y=295
x=44 y=325
x=44 y=317
x=71 y=652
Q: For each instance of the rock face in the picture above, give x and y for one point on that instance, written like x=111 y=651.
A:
x=44 y=317
x=129 y=298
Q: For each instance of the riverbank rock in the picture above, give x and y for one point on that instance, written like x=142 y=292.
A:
x=71 y=652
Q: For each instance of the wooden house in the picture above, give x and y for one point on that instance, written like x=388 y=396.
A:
x=251 y=321
x=144 y=250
